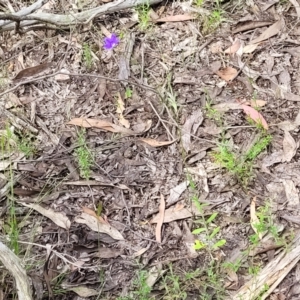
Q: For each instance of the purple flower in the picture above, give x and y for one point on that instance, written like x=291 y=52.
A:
x=111 y=42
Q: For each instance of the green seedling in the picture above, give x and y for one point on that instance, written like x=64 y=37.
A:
x=143 y=16
x=198 y=3
x=84 y=156
x=171 y=96
x=212 y=113
x=240 y=165
x=140 y=288
x=210 y=231
x=214 y=19
x=26 y=145
x=8 y=144
x=128 y=93
x=172 y=285
x=87 y=56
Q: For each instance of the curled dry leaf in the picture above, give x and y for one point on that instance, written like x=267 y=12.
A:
x=81 y=290
x=255 y=116
x=95 y=225
x=254 y=221
x=172 y=214
x=160 y=220
x=57 y=217
x=120 y=110
x=32 y=71
x=92 y=213
x=289 y=147
x=258 y=103
x=177 y=18
x=233 y=48
x=271 y=31
x=250 y=48
x=155 y=143
x=105 y=125
x=227 y=74
x=291 y=192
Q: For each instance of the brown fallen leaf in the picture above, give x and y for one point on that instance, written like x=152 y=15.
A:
x=57 y=217
x=254 y=221
x=81 y=290
x=248 y=25
x=255 y=116
x=177 y=18
x=258 y=103
x=107 y=253
x=250 y=48
x=32 y=71
x=269 y=32
x=160 y=221
x=172 y=215
x=92 y=213
x=190 y=126
x=289 y=147
x=234 y=47
x=96 y=226
x=155 y=143
x=227 y=74
x=101 y=88
x=105 y=125
x=120 y=110
x=224 y=107
x=291 y=193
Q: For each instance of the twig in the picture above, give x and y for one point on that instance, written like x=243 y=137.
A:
x=12 y=263
x=73 y=19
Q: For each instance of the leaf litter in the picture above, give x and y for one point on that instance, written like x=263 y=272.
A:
x=146 y=148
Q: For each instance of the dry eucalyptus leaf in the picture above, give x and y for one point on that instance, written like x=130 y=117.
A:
x=289 y=147
x=81 y=290
x=57 y=217
x=271 y=31
x=227 y=74
x=32 y=71
x=160 y=220
x=234 y=47
x=95 y=225
x=250 y=48
x=102 y=124
x=291 y=192
x=177 y=18
x=155 y=143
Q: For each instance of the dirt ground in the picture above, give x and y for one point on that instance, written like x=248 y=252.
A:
x=163 y=166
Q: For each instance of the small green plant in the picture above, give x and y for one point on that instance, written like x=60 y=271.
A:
x=128 y=93
x=240 y=165
x=84 y=156
x=210 y=231
x=171 y=96
x=143 y=16
x=214 y=19
x=87 y=56
x=198 y=3
x=26 y=145
x=212 y=113
x=173 y=290
x=140 y=288
x=7 y=144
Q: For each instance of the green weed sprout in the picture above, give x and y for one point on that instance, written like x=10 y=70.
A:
x=84 y=156
x=87 y=56
x=143 y=15
x=240 y=165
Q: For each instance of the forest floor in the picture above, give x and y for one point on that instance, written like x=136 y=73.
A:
x=153 y=152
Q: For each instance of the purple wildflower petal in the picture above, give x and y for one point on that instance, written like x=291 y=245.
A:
x=111 y=42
